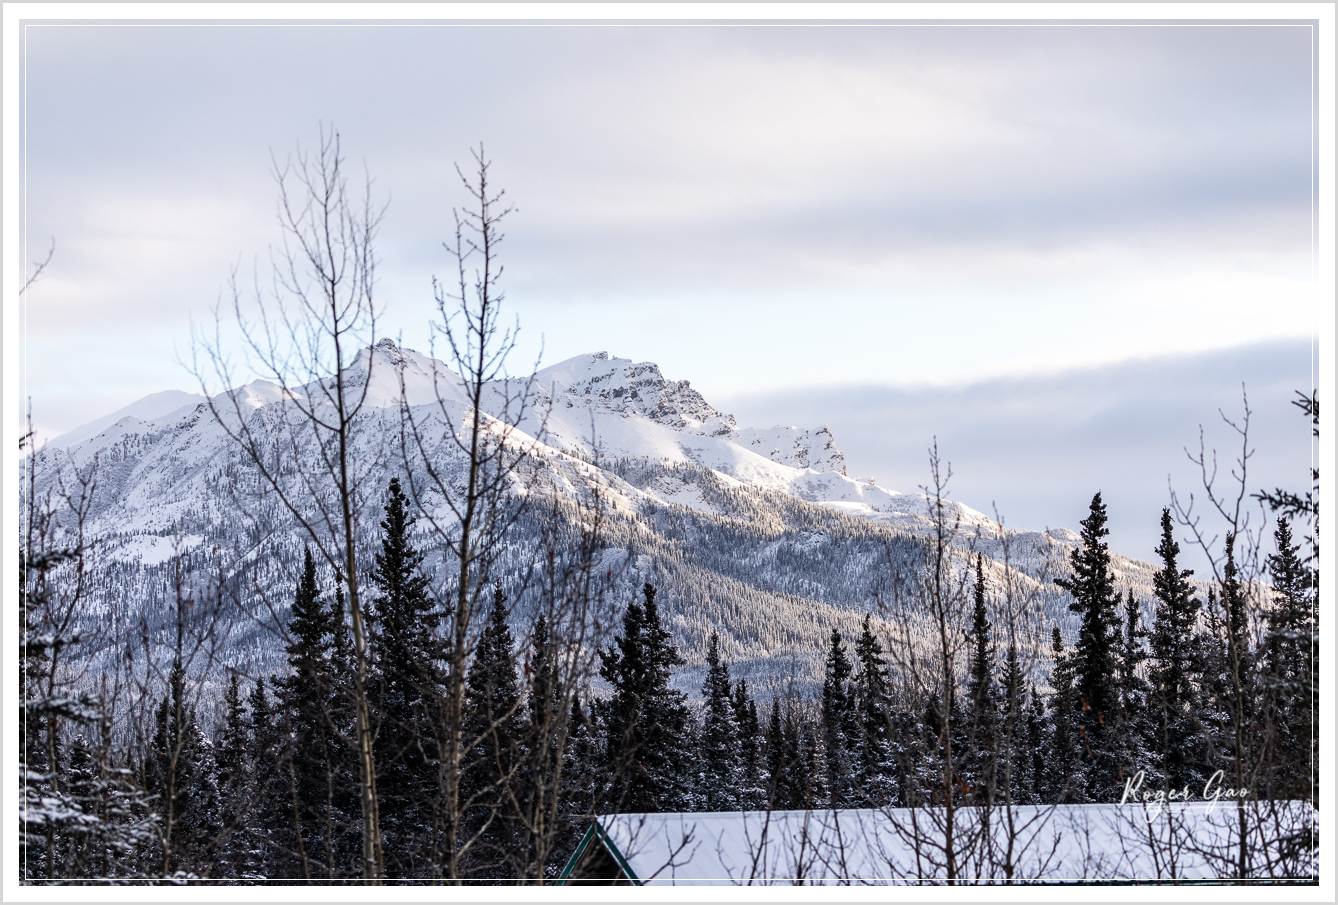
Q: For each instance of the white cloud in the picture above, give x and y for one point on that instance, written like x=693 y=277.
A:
x=747 y=206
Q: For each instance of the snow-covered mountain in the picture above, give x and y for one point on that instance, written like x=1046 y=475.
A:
x=759 y=534
x=614 y=407
x=591 y=406
x=155 y=406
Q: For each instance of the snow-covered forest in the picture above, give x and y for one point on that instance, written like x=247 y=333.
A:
x=376 y=617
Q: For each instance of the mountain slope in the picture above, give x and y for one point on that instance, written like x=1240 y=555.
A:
x=152 y=407
x=755 y=533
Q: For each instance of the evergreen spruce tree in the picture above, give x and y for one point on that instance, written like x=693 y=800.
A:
x=233 y=754
x=982 y=699
x=233 y=743
x=808 y=765
x=1133 y=729
x=721 y=771
x=409 y=656
x=1063 y=779
x=838 y=725
x=1289 y=653
x=316 y=772
x=1012 y=738
x=794 y=762
x=543 y=691
x=645 y=723
x=579 y=784
x=320 y=714
x=1214 y=685
x=1291 y=640
x=275 y=854
x=774 y=747
x=1038 y=752
x=874 y=767
x=934 y=720
x=118 y=825
x=753 y=795
x=540 y=775
x=79 y=776
x=46 y=811
x=792 y=759
x=495 y=729
x=182 y=773
x=342 y=768
x=80 y=815
x=1094 y=659
x=1175 y=669
x=1236 y=678
x=1239 y=665
x=582 y=779
x=908 y=755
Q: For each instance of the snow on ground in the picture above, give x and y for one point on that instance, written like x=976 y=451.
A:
x=674 y=490
x=1067 y=843
x=152 y=549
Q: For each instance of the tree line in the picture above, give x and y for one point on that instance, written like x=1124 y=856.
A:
x=1178 y=705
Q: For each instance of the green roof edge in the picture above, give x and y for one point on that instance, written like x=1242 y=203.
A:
x=617 y=855
x=597 y=832
x=575 y=856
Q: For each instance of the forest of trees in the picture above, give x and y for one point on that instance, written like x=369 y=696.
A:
x=423 y=730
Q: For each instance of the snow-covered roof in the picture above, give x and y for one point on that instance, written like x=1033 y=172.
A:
x=1066 y=843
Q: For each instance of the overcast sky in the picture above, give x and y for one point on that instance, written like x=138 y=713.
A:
x=897 y=222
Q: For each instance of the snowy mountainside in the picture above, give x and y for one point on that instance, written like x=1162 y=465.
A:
x=795 y=446
x=152 y=407
x=617 y=386
x=613 y=407
x=756 y=534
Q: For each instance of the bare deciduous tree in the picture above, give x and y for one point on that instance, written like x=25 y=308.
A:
x=932 y=596
x=310 y=326
x=573 y=606
x=465 y=460
x=1230 y=532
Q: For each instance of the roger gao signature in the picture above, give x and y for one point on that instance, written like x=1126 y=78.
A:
x=1213 y=791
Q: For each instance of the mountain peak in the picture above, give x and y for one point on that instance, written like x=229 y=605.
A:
x=621 y=386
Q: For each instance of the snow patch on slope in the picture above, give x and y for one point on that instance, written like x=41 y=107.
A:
x=153 y=549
